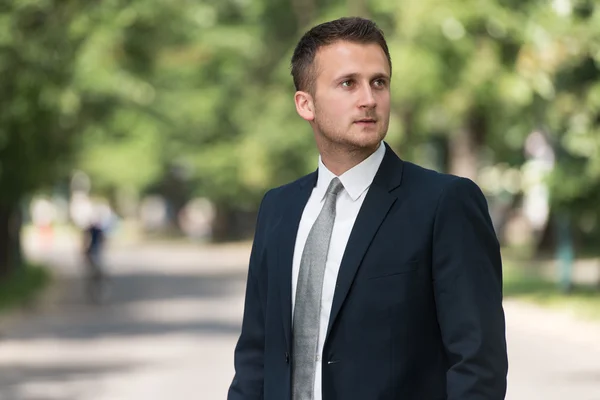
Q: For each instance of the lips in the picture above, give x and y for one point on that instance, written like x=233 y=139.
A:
x=365 y=122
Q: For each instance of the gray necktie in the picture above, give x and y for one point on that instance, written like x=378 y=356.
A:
x=307 y=307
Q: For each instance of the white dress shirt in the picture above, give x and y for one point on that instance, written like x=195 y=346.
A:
x=356 y=183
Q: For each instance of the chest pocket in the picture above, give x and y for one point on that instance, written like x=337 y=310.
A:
x=389 y=268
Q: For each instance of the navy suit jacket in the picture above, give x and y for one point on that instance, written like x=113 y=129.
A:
x=417 y=310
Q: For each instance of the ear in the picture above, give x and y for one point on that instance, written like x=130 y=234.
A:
x=305 y=105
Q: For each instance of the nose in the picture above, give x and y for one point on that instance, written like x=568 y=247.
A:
x=367 y=100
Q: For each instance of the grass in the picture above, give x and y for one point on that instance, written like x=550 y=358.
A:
x=22 y=286
x=523 y=281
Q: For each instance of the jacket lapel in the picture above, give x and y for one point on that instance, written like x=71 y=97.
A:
x=373 y=211
x=287 y=231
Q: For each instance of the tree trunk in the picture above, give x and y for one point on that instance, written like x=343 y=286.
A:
x=465 y=146
x=10 y=243
x=464 y=159
x=223 y=223
x=305 y=12
x=546 y=242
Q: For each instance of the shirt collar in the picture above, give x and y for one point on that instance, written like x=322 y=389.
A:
x=356 y=180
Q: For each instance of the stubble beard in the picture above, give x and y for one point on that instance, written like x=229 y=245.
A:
x=335 y=140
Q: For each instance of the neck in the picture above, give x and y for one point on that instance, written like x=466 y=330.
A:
x=339 y=160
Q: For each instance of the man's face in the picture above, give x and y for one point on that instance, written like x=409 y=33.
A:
x=352 y=94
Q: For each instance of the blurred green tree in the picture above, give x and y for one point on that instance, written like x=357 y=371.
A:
x=40 y=109
x=141 y=93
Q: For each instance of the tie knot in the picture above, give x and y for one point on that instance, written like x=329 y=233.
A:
x=335 y=187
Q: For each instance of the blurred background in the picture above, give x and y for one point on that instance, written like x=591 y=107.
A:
x=138 y=137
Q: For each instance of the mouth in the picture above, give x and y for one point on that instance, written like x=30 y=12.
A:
x=365 y=121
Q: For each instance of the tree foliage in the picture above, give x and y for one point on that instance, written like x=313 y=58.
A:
x=130 y=91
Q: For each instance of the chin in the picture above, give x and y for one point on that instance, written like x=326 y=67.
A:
x=366 y=140
x=354 y=139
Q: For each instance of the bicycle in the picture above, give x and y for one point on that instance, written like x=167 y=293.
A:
x=96 y=280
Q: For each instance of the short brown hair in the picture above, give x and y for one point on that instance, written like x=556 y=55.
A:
x=352 y=29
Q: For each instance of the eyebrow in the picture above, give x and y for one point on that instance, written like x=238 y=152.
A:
x=354 y=75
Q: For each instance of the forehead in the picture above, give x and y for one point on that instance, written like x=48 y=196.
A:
x=344 y=58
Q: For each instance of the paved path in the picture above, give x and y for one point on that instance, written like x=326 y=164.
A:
x=171 y=325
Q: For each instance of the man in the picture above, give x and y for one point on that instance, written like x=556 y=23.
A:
x=93 y=245
x=94 y=239
x=371 y=278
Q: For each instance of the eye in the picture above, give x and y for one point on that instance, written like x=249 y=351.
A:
x=381 y=83
x=348 y=83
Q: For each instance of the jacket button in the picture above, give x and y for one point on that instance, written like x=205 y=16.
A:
x=287 y=357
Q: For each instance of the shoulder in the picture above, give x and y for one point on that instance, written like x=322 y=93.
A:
x=289 y=189
x=281 y=195
x=441 y=187
x=429 y=180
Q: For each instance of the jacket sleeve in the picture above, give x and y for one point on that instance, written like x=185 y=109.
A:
x=247 y=382
x=467 y=279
